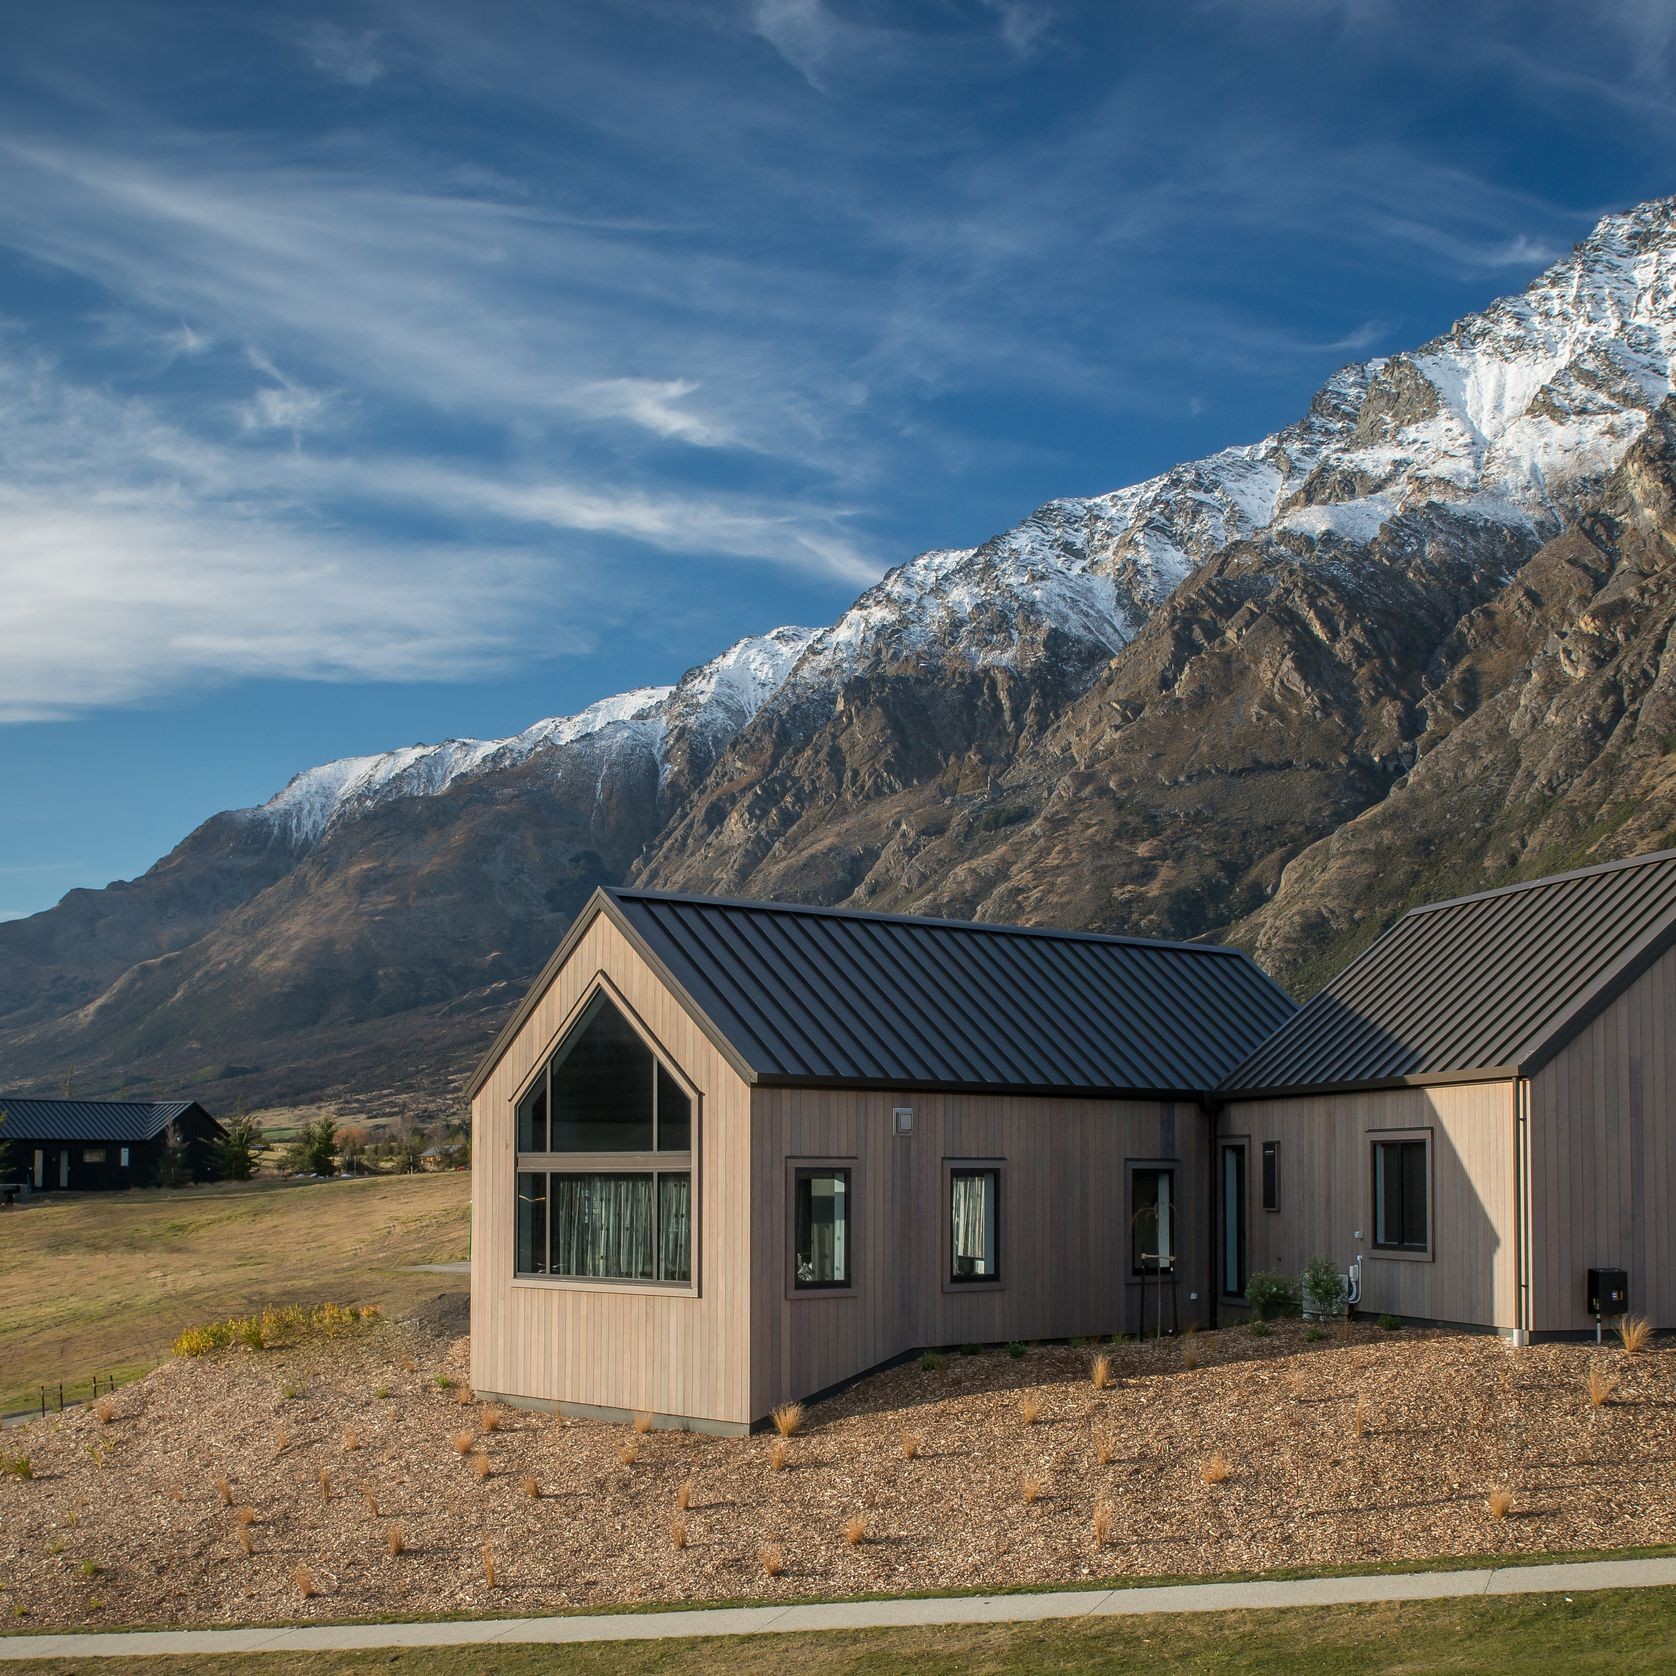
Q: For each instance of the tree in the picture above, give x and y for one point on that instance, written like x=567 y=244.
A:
x=320 y=1146
x=174 y=1164
x=410 y=1148
x=235 y=1155
x=5 y=1149
x=352 y=1148
x=457 y=1137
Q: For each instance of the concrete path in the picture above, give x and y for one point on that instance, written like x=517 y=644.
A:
x=439 y=1268
x=865 y=1614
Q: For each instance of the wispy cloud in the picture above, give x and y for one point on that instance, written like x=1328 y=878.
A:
x=345 y=55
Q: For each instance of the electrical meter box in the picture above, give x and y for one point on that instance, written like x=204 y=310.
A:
x=1608 y=1291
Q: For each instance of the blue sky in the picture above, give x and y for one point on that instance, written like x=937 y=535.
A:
x=375 y=373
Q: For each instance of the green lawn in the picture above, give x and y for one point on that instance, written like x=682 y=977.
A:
x=102 y=1282
x=1617 y=1631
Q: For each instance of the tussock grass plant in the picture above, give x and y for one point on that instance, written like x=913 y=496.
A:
x=463 y=1442
x=531 y=1486
x=225 y=1491
x=104 y=1411
x=491 y=1419
x=678 y=1531
x=642 y=1423
x=788 y=1419
x=463 y=1397
x=1500 y=1501
x=351 y=1438
x=480 y=1466
x=1102 y=1525
x=17 y=1466
x=1029 y=1490
x=394 y=1542
x=1635 y=1333
x=684 y=1495
x=855 y=1529
x=628 y=1453
x=1361 y=1421
x=910 y=1446
x=773 y=1560
x=370 y=1499
x=304 y=1579
x=1104 y=1451
x=1601 y=1387
x=325 y=1480
x=282 y=1439
x=779 y=1456
x=1100 y=1372
x=241 y=1535
x=489 y=1565
x=245 y=1516
x=1217 y=1470
x=1030 y=1409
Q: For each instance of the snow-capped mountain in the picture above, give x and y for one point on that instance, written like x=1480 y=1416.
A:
x=1143 y=710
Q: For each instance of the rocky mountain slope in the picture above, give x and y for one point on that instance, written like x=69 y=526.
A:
x=1411 y=642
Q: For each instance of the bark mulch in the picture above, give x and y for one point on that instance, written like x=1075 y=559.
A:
x=1368 y=1446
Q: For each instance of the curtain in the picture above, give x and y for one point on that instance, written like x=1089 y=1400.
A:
x=675 y=1234
x=602 y=1226
x=974 y=1223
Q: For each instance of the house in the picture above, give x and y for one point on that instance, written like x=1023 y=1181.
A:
x=99 y=1145
x=1477 y=1110
x=730 y=1154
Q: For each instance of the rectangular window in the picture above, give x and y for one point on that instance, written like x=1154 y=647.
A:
x=1401 y=1191
x=821 y=1218
x=93 y=1155
x=975 y=1212
x=1152 y=1221
x=1271 y=1175
x=606 y=1225
x=124 y=1158
x=532 y=1224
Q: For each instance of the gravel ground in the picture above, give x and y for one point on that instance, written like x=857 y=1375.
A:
x=124 y=1521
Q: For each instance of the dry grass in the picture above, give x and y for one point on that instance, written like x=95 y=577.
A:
x=531 y=1486
x=465 y=1396
x=1102 y=1525
x=1105 y=1451
x=282 y=1439
x=642 y=1423
x=788 y=1419
x=242 y=1536
x=351 y=1438
x=325 y=1479
x=628 y=1453
x=371 y=1500
x=1601 y=1387
x=1100 y=1372
x=684 y=1495
x=779 y=1455
x=491 y=1419
x=489 y=1564
x=1217 y=1470
x=1361 y=1421
x=1500 y=1501
x=1029 y=1490
x=245 y=1516
x=394 y=1542
x=304 y=1579
x=1636 y=1333
x=773 y=1560
x=1190 y=1350
x=910 y=1446
x=464 y=1442
x=855 y=1529
x=1030 y=1408
x=104 y=1411
x=480 y=1466
x=225 y=1491
x=678 y=1530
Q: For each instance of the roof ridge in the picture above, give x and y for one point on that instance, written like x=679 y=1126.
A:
x=1542 y=882
x=620 y=893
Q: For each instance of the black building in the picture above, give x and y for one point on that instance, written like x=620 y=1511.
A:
x=101 y=1145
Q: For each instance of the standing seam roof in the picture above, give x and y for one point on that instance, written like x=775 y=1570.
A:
x=1481 y=983
x=87 y=1120
x=832 y=995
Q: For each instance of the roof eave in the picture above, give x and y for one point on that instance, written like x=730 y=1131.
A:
x=1369 y=1085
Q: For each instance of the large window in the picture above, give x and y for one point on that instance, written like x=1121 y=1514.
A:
x=1152 y=1220
x=604 y=1176
x=975 y=1224
x=821 y=1228
x=1401 y=1195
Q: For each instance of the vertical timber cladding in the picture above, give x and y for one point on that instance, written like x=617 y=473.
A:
x=1064 y=1241
x=1326 y=1194
x=615 y=1346
x=1603 y=1159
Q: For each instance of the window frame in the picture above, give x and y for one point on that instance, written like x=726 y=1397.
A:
x=1425 y=1253
x=1271 y=1175
x=654 y=1163
x=996 y=1167
x=95 y=1154
x=1134 y=1167
x=795 y=1168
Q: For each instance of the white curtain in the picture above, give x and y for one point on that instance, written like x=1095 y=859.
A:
x=602 y=1226
x=675 y=1235
x=974 y=1219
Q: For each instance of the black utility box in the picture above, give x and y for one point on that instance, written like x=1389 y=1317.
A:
x=1608 y=1292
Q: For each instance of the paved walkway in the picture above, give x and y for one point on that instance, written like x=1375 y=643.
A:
x=864 y=1614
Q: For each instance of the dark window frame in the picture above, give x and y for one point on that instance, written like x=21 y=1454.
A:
x=1137 y=1169
x=1412 y=1150
x=656 y=1176
x=797 y=1171
x=953 y=1168
x=1271 y=1175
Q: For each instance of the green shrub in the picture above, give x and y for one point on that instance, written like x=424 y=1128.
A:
x=1316 y=1334
x=931 y=1361
x=1260 y=1329
x=971 y=1350
x=1390 y=1323
x=1323 y=1287
x=1015 y=1350
x=19 y=1466
x=1270 y=1293
x=89 y=1568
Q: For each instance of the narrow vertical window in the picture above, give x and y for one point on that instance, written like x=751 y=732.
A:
x=1271 y=1175
x=821 y=1214
x=1152 y=1221
x=975 y=1215
x=532 y=1224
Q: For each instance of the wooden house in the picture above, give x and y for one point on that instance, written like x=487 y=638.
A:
x=101 y=1145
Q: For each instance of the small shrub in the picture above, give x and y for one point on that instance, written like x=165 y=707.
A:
x=1102 y=1525
x=1029 y=1490
x=394 y=1542
x=1217 y=1470
x=788 y=1419
x=1316 y=1335
x=1100 y=1371
x=1030 y=1409
x=1601 y=1387
x=1189 y=1351
x=351 y=1438
x=1015 y=1350
x=1390 y=1324
x=684 y=1495
x=1635 y=1332
x=241 y=1535
x=778 y=1455
x=463 y=1442
x=1270 y=1293
x=1322 y=1287
x=628 y=1453
x=382 y=1392
x=225 y=1491
x=910 y=1446
x=1500 y=1502
x=282 y=1439
x=531 y=1487
x=492 y=1419
x=480 y=1465
x=1361 y=1418
x=104 y=1411
x=1104 y=1452
x=463 y=1397
x=488 y=1565
x=291 y=1391
x=855 y=1529
x=443 y=1382
x=930 y=1362
x=371 y=1500
x=773 y=1560
x=971 y=1350
x=1260 y=1329
x=89 y=1568
x=245 y=1516
x=325 y=1483
x=642 y=1424
x=304 y=1579
x=678 y=1530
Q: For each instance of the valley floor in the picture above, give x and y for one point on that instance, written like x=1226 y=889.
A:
x=360 y=1469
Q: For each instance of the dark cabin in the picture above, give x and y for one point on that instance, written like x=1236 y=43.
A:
x=99 y=1146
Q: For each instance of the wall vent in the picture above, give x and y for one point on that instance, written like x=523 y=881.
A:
x=902 y=1120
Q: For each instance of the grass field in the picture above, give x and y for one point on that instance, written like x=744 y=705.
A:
x=1616 y=1631
x=102 y=1282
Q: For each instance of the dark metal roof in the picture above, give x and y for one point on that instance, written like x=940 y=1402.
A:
x=832 y=996
x=1492 y=983
x=88 y=1120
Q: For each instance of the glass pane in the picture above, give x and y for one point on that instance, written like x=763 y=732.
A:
x=532 y=1119
x=602 y=1226
x=602 y=1086
x=1271 y=1175
x=1414 y=1194
x=675 y=1229
x=823 y=1227
x=532 y=1224
x=675 y=1115
x=976 y=1197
